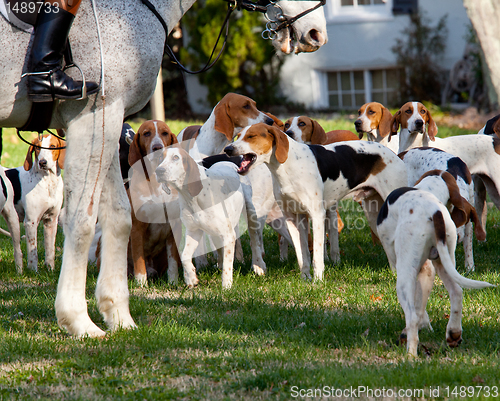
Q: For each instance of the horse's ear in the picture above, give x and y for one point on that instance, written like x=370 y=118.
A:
x=318 y=135
x=134 y=152
x=28 y=162
x=223 y=122
x=432 y=129
x=281 y=143
x=384 y=126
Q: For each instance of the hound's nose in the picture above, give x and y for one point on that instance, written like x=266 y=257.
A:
x=289 y=133
x=269 y=121
x=42 y=163
x=157 y=146
x=160 y=170
x=357 y=124
x=229 y=150
x=419 y=124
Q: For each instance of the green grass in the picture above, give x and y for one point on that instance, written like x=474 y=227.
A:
x=265 y=338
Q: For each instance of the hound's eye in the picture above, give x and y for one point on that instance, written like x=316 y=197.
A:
x=147 y=133
x=408 y=111
x=165 y=133
x=251 y=136
x=302 y=124
x=371 y=112
x=423 y=111
x=175 y=158
x=287 y=126
x=246 y=106
x=52 y=146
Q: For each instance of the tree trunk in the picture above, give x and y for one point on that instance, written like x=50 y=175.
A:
x=485 y=17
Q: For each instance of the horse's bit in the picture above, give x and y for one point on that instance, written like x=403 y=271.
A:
x=276 y=22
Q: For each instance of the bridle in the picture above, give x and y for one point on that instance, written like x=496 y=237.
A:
x=276 y=22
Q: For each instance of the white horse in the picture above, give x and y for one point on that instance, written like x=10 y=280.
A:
x=132 y=43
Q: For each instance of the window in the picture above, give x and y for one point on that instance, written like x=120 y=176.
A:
x=349 y=90
x=359 y=10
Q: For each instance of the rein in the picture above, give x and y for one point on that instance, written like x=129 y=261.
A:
x=273 y=26
x=39 y=137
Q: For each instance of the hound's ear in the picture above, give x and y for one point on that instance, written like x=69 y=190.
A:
x=281 y=143
x=134 y=152
x=28 y=162
x=277 y=122
x=395 y=123
x=318 y=135
x=459 y=213
x=432 y=129
x=172 y=139
x=496 y=128
x=62 y=155
x=223 y=122
x=193 y=178
x=384 y=127
x=472 y=215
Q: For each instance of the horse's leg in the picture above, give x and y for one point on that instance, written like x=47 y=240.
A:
x=115 y=219
x=85 y=171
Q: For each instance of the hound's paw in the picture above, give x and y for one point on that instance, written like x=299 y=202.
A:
x=259 y=271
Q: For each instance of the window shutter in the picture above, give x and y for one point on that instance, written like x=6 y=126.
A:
x=404 y=6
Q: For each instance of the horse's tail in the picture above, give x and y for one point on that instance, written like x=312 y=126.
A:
x=444 y=255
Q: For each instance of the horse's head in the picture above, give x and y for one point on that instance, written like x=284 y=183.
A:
x=307 y=33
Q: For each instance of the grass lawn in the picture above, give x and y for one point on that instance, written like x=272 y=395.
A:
x=273 y=337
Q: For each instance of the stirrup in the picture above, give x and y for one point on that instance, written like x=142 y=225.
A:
x=84 y=86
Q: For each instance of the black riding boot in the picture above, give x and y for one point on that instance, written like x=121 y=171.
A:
x=46 y=79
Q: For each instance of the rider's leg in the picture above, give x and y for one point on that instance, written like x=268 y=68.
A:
x=46 y=80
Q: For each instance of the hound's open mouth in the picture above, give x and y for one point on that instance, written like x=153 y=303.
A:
x=247 y=162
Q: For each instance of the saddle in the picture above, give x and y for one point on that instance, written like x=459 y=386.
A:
x=23 y=15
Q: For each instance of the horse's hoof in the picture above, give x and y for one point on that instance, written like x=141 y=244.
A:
x=454 y=339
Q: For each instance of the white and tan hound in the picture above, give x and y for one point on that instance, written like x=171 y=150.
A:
x=481 y=153
x=211 y=201
x=152 y=244
x=374 y=120
x=308 y=179
x=228 y=117
x=418 y=161
x=38 y=195
x=419 y=237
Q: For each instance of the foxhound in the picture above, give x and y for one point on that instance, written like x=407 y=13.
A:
x=211 y=201
x=38 y=195
x=418 y=161
x=419 y=237
x=306 y=130
x=308 y=179
x=152 y=244
x=374 y=120
x=481 y=153
x=229 y=116
x=9 y=213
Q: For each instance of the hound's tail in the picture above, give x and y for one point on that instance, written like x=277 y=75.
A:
x=444 y=255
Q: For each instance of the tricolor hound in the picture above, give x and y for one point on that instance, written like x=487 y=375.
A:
x=374 y=120
x=38 y=195
x=418 y=161
x=152 y=243
x=306 y=130
x=9 y=213
x=211 y=201
x=419 y=237
x=481 y=153
x=308 y=179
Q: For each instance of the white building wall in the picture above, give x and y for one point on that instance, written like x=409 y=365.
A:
x=365 y=45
